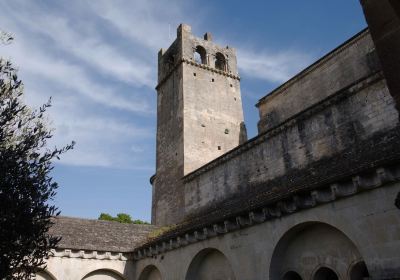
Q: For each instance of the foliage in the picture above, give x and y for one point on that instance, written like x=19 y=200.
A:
x=5 y=37
x=26 y=187
x=160 y=231
x=121 y=218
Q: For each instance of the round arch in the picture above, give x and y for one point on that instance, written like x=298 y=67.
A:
x=220 y=61
x=325 y=273
x=150 y=272
x=200 y=55
x=358 y=271
x=44 y=275
x=310 y=245
x=210 y=264
x=291 y=275
x=104 y=274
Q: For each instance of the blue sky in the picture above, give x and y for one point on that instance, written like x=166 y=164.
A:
x=98 y=61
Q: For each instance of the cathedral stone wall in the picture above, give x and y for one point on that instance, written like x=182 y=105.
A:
x=350 y=62
x=314 y=196
x=200 y=116
x=311 y=197
x=339 y=235
x=342 y=122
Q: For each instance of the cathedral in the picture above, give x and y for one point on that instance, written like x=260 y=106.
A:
x=314 y=196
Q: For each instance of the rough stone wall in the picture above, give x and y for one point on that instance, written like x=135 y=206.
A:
x=199 y=118
x=369 y=221
x=325 y=130
x=342 y=67
x=167 y=199
x=212 y=114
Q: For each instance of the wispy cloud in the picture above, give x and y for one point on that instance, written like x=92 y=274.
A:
x=98 y=60
x=146 y=23
x=96 y=85
x=91 y=49
x=271 y=66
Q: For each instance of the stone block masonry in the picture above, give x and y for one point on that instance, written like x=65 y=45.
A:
x=199 y=118
x=332 y=122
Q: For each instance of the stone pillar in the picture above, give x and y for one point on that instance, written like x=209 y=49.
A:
x=383 y=18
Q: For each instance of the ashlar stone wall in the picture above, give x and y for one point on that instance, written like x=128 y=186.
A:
x=199 y=116
x=289 y=155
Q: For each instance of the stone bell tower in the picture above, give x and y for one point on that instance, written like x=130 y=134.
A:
x=199 y=116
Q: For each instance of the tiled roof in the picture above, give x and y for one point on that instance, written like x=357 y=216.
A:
x=96 y=235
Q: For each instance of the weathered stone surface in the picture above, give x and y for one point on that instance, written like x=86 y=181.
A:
x=311 y=174
x=316 y=192
x=348 y=63
x=290 y=155
x=199 y=116
x=360 y=228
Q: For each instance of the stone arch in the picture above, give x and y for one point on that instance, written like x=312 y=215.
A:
x=325 y=273
x=358 y=271
x=44 y=275
x=150 y=272
x=210 y=264
x=104 y=274
x=200 y=55
x=291 y=275
x=311 y=245
x=220 y=61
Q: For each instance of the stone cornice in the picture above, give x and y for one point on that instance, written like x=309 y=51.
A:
x=351 y=186
x=85 y=254
x=199 y=65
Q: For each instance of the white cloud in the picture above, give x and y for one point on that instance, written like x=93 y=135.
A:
x=271 y=66
x=99 y=139
x=147 y=23
x=91 y=49
x=98 y=60
x=83 y=73
x=35 y=65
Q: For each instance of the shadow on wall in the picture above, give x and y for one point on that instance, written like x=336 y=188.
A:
x=396 y=6
x=397 y=201
x=333 y=257
x=44 y=275
x=103 y=274
x=150 y=273
x=210 y=264
x=242 y=133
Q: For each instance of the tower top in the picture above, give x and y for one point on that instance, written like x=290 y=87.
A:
x=183 y=28
x=201 y=51
x=199 y=116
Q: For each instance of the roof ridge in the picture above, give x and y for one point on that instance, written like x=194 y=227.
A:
x=99 y=221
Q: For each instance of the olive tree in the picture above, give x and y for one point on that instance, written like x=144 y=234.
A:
x=26 y=186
